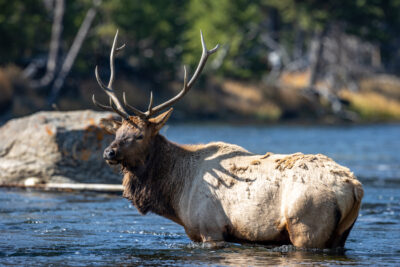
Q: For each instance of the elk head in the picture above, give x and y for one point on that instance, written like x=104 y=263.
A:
x=135 y=133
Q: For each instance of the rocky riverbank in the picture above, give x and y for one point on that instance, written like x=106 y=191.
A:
x=55 y=147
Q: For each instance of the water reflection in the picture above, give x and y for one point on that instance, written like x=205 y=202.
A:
x=233 y=255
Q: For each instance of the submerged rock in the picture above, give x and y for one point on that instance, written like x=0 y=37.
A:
x=55 y=147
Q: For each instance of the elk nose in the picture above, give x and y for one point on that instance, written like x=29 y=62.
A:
x=109 y=154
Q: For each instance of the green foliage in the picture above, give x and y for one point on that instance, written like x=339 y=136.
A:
x=24 y=29
x=152 y=31
x=163 y=35
x=228 y=23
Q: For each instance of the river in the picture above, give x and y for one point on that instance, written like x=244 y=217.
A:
x=88 y=229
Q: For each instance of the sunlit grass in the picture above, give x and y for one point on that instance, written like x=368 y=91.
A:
x=297 y=79
x=372 y=106
x=250 y=100
x=269 y=112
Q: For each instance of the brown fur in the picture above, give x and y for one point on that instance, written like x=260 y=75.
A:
x=289 y=161
x=151 y=187
x=158 y=174
x=147 y=164
x=236 y=170
x=267 y=155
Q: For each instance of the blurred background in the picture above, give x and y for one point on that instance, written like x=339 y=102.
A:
x=280 y=60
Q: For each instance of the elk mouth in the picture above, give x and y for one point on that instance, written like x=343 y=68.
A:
x=112 y=161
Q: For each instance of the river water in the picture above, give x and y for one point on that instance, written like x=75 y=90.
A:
x=88 y=229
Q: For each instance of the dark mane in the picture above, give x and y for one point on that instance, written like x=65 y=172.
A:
x=152 y=185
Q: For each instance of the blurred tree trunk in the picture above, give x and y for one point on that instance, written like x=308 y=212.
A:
x=317 y=50
x=51 y=65
x=298 y=42
x=73 y=52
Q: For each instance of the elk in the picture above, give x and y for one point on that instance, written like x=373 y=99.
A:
x=221 y=192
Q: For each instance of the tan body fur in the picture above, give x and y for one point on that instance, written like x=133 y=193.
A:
x=221 y=192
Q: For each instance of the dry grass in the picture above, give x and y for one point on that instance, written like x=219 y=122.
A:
x=378 y=98
x=388 y=85
x=246 y=92
x=297 y=79
x=372 y=106
x=269 y=111
x=250 y=100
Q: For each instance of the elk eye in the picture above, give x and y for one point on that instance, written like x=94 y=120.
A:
x=139 y=137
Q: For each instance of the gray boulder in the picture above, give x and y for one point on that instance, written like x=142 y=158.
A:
x=56 y=147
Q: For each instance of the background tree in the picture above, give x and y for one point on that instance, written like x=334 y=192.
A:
x=335 y=43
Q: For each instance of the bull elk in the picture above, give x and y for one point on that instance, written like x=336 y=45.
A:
x=222 y=192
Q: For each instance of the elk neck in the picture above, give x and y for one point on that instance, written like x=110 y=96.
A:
x=156 y=183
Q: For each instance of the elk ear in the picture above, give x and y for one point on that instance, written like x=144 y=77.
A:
x=159 y=121
x=110 y=125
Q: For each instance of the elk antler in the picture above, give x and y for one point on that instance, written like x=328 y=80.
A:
x=115 y=105
x=186 y=85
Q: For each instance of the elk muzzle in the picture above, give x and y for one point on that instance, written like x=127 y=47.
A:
x=110 y=155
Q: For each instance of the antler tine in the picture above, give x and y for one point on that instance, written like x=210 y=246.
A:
x=108 y=108
x=119 y=109
x=134 y=110
x=203 y=59
x=187 y=85
x=112 y=54
x=150 y=108
x=143 y=115
x=116 y=110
